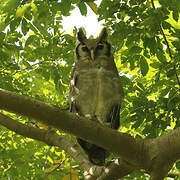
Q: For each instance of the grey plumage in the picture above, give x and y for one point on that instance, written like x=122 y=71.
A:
x=95 y=88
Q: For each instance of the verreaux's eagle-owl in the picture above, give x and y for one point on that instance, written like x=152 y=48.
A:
x=95 y=88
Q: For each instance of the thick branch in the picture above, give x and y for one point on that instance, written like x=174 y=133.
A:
x=118 y=169
x=151 y=155
x=48 y=137
x=73 y=124
x=112 y=171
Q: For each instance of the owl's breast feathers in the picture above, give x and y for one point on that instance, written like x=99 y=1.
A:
x=96 y=91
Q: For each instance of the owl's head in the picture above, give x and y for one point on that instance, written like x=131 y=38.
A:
x=92 y=48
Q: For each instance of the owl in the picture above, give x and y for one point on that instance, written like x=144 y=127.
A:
x=95 y=88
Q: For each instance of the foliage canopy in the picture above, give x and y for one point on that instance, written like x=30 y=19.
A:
x=36 y=59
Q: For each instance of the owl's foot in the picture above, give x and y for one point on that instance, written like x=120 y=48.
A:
x=107 y=124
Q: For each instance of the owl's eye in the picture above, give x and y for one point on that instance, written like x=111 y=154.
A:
x=84 y=48
x=100 y=46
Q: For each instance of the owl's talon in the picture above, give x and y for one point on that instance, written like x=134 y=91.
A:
x=107 y=124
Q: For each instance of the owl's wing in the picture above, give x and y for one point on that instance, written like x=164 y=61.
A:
x=114 y=116
x=72 y=94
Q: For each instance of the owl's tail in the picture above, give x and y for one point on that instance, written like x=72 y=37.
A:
x=97 y=155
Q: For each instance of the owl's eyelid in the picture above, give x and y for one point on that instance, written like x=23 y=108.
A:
x=84 y=48
x=83 y=45
x=100 y=46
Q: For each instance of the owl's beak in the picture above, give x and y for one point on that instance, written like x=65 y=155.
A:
x=92 y=54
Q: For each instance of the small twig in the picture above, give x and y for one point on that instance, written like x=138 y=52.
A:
x=25 y=69
x=173 y=175
x=59 y=165
x=167 y=44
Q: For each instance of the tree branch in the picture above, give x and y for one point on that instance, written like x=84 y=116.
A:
x=49 y=137
x=114 y=170
x=119 y=169
x=152 y=155
x=73 y=124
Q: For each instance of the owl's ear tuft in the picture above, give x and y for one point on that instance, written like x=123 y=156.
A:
x=81 y=35
x=103 y=35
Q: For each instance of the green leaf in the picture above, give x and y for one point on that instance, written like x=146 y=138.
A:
x=151 y=44
x=161 y=57
x=65 y=7
x=157 y=76
x=41 y=51
x=135 y=50
x=176 y=15
x=28 y=14
x=140 y=85
x=164 y=3
x=3 y=56
x=166 y=25
x=93 y=6
x=176 y=44
x=75 y=1
x=82 y=7
x=24 y=26
x=144 y=67
x=137 y=123
x=173 y=102
x=9 y=5
x=170 y=73
x=155 y=65
x=2 y=36
x=178 y=165
x=15 y=23
x=164 y=92
x=132 y=66
x=32 y=40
